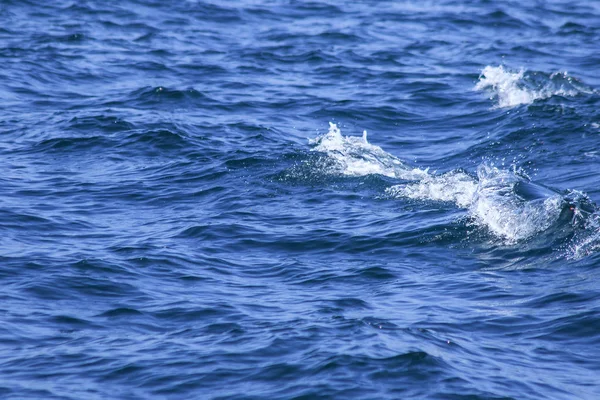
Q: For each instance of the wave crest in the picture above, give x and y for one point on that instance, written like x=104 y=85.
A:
x=511 y=89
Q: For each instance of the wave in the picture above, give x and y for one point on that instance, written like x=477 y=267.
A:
x=503 y=201
x=511 y=88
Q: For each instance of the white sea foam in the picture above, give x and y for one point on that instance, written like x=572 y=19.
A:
x=355 y=156
x=501 y=200
x=586 y=241
x=497 y=206
x=456 y=187
x=505 y=85
x=491 y=200
x=515 y=88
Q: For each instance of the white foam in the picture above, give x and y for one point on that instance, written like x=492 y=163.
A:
x=456 y=187
x=512 y=88
x=492 y=199
x=504 y=213
x=505 y=86
x=586 y=241
x=355 y=156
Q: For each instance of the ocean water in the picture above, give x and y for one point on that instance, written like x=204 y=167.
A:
x=289 y=199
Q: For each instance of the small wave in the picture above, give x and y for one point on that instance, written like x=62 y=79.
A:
x=163 y=96
x=511 y=89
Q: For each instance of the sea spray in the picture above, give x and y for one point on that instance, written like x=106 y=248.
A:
x=513 y=88
x=503 y=201
x=355 y=156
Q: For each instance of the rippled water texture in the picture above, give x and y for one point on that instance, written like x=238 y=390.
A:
x=270 y=199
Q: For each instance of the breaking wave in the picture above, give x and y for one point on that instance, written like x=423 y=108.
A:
x=503 y=201
x=510 y=88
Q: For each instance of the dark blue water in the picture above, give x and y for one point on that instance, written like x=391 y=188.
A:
x=180 y=220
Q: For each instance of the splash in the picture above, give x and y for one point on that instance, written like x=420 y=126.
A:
x=588 y=242
x=503 y=201
x=355 y=156
x=511 y=89
x=511 y=207
x=455 y=187
x=505 y=86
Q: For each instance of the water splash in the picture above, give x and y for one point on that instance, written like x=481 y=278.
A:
x=511 y=89
x=511 y=207
x=455 y=187
x=503 y=201
x=494 y=200
x=355 y=156
x=588 y=242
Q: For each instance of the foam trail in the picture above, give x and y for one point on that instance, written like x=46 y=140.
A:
x=456 y=187
x=506 y=203
x=514 y=88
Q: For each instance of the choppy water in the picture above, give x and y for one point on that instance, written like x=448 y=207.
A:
x=190 y=208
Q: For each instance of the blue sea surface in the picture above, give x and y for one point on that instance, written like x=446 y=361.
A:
x=294 y=199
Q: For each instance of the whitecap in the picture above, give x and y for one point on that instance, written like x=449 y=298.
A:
x=511 y=88
x=505 y=86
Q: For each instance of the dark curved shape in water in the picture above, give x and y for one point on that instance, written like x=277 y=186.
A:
x=576 y=208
